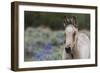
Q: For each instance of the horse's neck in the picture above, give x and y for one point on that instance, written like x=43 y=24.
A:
x=82 y=42
x=86 y=32
x=75 y=49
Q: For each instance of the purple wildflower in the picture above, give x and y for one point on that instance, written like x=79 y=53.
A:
x=47 y=48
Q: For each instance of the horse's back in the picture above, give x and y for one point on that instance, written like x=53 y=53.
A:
x=87 y=32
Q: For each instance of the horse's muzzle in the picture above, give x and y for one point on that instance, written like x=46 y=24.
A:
x=68 y=50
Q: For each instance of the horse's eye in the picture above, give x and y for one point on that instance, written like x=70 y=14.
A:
x=74 y=35
x=64 y=34
x=64 y=37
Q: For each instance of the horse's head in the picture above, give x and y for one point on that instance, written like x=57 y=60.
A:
x=70 y=25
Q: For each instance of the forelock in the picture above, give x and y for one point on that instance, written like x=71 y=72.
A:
x=69 y=29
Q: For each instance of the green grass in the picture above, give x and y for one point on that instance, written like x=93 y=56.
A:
x=40 y=45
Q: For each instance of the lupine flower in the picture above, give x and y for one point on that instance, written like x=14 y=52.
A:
x=39 y=56
x=47 y=48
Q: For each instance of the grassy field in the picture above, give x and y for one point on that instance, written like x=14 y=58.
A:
x=43 y=44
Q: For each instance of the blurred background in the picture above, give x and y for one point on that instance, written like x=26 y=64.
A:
x=44 y=34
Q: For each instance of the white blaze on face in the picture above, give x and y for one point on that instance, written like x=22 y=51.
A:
x=69 y=31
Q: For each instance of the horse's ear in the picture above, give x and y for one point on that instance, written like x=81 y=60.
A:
x=74 y=21
x=65 y=21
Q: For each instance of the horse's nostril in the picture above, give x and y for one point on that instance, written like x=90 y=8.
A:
x=68 y=50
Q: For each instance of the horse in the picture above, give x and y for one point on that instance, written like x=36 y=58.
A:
x=77 y=42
